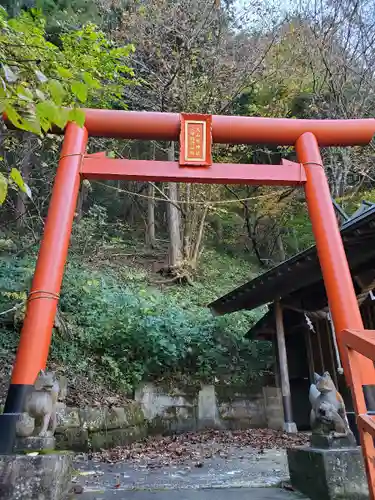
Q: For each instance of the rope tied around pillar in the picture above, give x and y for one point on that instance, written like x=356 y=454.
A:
x=72 y=154
x=44 y=294
x=312 y=163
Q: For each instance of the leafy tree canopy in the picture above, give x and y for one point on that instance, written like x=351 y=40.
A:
x=42 y=84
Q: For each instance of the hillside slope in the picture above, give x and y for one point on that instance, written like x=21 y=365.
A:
x=120 y=322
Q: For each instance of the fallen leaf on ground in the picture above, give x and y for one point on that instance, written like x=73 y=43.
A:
x=87 y=473
x=197 y=446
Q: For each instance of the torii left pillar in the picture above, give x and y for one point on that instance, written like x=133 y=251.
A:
x=36 y=333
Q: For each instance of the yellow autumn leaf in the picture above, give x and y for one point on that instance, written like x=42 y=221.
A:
x=16 y=177
x=3 y=188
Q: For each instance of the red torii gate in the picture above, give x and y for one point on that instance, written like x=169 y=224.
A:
x=357 y=347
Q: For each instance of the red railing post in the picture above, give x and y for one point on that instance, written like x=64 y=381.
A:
x=43 y=298
x=359 y=371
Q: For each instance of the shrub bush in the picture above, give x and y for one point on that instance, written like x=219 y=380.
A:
x=126 y=334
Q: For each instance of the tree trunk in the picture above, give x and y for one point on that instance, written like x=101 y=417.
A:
x=198 y=241
x=173 y=219
x=280 y=247
x=82 y=197
x=21 y=201
x=295 y=239
x=187 y=225
x=250 y=226
x=150 y=234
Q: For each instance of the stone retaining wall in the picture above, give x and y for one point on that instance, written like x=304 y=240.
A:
x=164 y=410
x=95 y=428
x=218 y=407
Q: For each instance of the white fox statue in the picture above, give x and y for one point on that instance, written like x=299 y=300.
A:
x=40 y=407
x=328 y=415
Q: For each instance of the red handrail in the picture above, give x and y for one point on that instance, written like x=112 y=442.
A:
x=362 y=342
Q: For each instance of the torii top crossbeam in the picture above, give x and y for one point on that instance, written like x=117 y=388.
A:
x=229 y=129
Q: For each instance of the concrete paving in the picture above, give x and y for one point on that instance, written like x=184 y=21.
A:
x=246 y=473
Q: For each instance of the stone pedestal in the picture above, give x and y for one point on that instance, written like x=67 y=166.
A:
x=321 y=441
x=328 y=474
x=25 y=477
x=34 y=443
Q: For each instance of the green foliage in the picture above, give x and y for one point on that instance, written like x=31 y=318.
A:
x=13 y=181
x=39 y=78
x=65 y=15
x=3 y=188
x=15 y=279
x=42 y=84
x=135 y=333
x=352 y=202
x=90 y=229
x=299 y=235
x=125 y=334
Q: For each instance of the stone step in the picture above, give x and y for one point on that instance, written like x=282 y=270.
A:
x=207 y=494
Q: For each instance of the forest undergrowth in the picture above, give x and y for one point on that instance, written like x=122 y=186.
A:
x=119 y=323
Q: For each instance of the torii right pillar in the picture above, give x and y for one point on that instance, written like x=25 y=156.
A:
x=359 y=371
